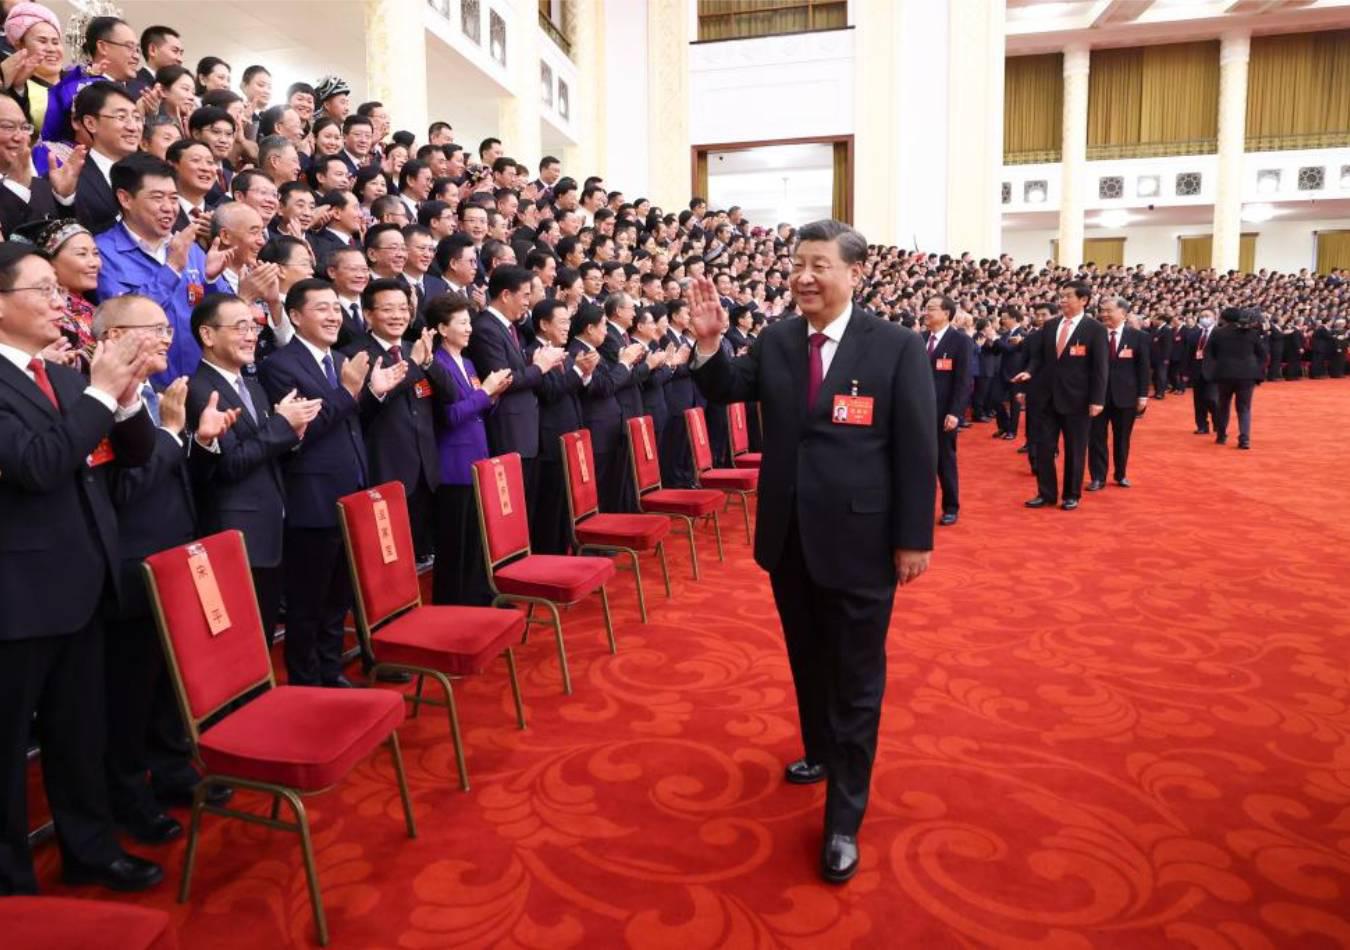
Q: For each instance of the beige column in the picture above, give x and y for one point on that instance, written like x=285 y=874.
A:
x=669 y=183
x=1234 y=51
x=1073 y=159
x=396 y=63
x=587 y=22
x=518 y=113
x=876 y=135
x=975 y=44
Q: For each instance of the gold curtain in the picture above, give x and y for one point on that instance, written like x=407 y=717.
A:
x=1033 y=107
x=701 y=174
x=1298 y=91
x=1247 y=254
x=1196 y=250
x=1179 y=93
x=1115 y=87
x=737 y=19
x=1104 y=252
x=1333 y=250
x=839 y=204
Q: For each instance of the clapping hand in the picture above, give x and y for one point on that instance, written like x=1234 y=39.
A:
x=115 y=368
x=586 y=362
x=218 y=259
x=17 y=68
x=385 y=378
x=214 y=421
x=297 y=411
x=61 y=353
x=548 y=357
x=65 y=176
x=423 y=349
x=261 y=282
x=632 y=354
x=353 y=375
x=173 y=406
x=496 y=381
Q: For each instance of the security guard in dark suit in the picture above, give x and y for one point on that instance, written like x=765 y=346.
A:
x=949 y=357
x=1233 y=364
x=1160 y=356
x=1126 y=395
x=1203 y=395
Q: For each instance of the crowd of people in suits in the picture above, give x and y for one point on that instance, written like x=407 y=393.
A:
x=220 y=313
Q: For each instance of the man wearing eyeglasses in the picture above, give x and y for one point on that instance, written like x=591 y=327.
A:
x=24 y=196
x=110 y=119
x=111 y=46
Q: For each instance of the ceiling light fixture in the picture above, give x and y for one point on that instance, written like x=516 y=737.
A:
x=1035 y=196
x=1257 y=213
x=1268 y=181
x=1114 y=218
x=1147 y=186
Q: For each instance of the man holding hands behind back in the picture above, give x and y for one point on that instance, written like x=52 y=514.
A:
x=846 y=501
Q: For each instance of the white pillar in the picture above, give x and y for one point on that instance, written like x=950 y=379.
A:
x=587 y=157
x=975 y=141
x=518 y=113
x=1234 y=52
x=922 y=117
x=1073 y=157
x=669 y=181
x=875 y=141
x=396 y=63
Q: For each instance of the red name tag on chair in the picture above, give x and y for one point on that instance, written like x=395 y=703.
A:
x=422 y=388
x=208 y=591
x=698 y=431
x=853 y=410
x=1078 y=349
x=647 y=440
x=582 y=467
x=943 y=364
x=388 y=550
x=1125 y=354
x=103 y=454
x=503 y=489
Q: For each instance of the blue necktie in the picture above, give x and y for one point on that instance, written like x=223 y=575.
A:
x=328 y=370
x=245 y=398
x=151 y=400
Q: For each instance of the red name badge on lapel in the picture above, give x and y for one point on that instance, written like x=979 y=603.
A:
x=1125 y=353
x=103 y=454
x=852 y=410
x=943 y=364
x=423 y=389
x=473 y=381
x=1078 y=349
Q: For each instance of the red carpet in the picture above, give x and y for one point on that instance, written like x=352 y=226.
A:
x=1127 y=726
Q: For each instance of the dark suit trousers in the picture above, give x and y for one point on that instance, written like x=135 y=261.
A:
x=1174 y=371
x=267 y=584
x=1203 y=398
x=677 y=468
x=422 y=519
x=1075 y=427
x=459 y=575
x=1160 y=378
x=318 y=596
x=947 y=475
x=61 y=678
x=617 y=495
x=836 y=644
x=550 y=529
x=1242 y=391
x=1121 y=422
x=1008 y=413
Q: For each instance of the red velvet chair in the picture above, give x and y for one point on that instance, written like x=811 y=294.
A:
x=741 y=456
x=287 y=741
x=67 y=923
x=608 y=533
x=519 y=577
x=737 y=483
x=687 y=504
x=400 y=631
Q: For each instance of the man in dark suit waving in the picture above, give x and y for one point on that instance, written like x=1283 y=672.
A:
x=1070 y=360
x=846 y=501
x=1126 y=394
x=949 y=354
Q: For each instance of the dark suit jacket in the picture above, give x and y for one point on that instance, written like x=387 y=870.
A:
x=513 y=425
x=628 y=382
x=951 y=387
x=241 y=485
x=1072 y=382
x=1128 y=376
x=324 y=243
x=559 y=407
x=654 y=401
x=58 y=532
x=1161 y=350
x=857 y=492
x=95 y=204
x=1235 y=355
x=1194 y=356
x=599 y=406
x=41 y=204
x=400 y=429
x=331 y=460
x=680 y=390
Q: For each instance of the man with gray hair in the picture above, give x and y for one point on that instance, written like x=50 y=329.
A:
x=1127 y=378
x=846 y=501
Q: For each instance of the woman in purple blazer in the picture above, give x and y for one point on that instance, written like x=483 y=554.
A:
x=459 y=576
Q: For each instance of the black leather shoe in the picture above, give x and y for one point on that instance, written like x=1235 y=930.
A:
x=1008 y=436
x=1221 y=440
x=803 y=772
x=1069 y=504
x=839 y=858
x=126 y=873
x=1023 y=450
x=1038 y=502
x=393 y=676
x=1096 y=485
x=948 y=518
x=1123 y=482
x=339 y=682
x=1201 y=432
x=153 y=829
x=1244 y=444
x=182 y=797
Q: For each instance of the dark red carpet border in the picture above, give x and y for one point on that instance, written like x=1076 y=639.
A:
x=1127 y=726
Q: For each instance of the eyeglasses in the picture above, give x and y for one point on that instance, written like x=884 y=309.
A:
x=9 y=128
x=122 y=118
x=243 y=327
x=163 y=330
x=131 y=46
x=50 y=290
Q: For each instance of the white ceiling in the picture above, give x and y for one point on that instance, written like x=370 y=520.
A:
x=792 y=183
x=1183 y=215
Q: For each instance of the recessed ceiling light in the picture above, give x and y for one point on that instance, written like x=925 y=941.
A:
x=1114 y=218
x=1147 y=186
x=1268 y=182
x=1256 y=213
x=1035 y=196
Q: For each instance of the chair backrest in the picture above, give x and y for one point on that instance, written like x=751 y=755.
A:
x=380 y=553
x=583 y=498
x=499 y=488
x=699 y=448
x=642 y=450
x=740 y=437
x=207 y=613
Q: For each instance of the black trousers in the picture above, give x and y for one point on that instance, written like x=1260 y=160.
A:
x=318 y=596
x=1176 y=376
x=1074 y=427
x=61 y=679
x=1121 y=422
x=1008 y=413
x=1203 y=398
x=617 y=494
x=979 y=400
x=1273 y=369
x=836 y=644
x=267 y=585
x=422 y=519
x=677 y=468
x=1160 y=378
x=1035 y=433
x=1242 y=391
x=719 y=438
x=459 y=575
x=947 y=474
x=550 y=529
x=1336 y=367
x=1293 y=367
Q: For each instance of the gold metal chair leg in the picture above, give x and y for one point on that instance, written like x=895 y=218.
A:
x=515 y=687
x=562 y=650
x=693 y=548
x=609 y=622
x=408 y=818
x=198 y=800
x=276 y=807
x=717 y=529
x=417 y=696
x=637 y=579
x=454 y=732
x=311 y=870
x=529 y=618
x=665 y=568
x=745 y=510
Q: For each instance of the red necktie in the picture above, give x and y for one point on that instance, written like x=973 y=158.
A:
x=39 y=371
x=1063 y=336
x=1113 y=344
x=515 y=335
x=817 y=366
x=396 y=353
x=932 y=343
